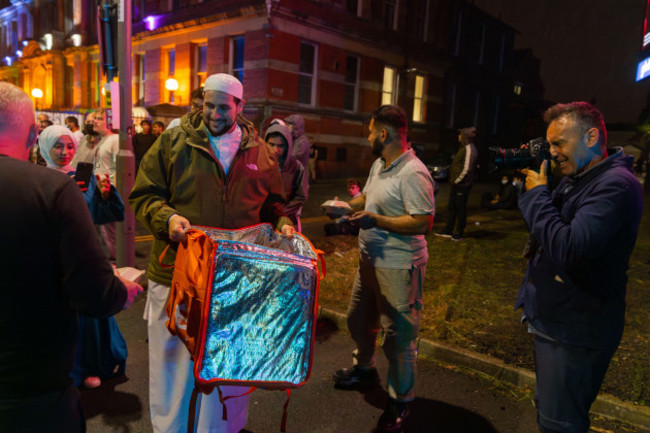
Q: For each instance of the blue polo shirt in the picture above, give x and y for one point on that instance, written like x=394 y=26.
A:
x=405 y=187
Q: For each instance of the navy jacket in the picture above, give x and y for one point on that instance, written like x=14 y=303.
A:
x=585 y=230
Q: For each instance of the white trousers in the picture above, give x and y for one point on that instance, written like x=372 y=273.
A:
x=171 y=380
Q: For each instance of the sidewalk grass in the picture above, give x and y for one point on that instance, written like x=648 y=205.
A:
x=470 y=290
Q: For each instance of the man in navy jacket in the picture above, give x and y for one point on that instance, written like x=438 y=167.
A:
x=582 y=235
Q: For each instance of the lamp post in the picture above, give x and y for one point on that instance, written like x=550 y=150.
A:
x=171 y=84
x=37 y=94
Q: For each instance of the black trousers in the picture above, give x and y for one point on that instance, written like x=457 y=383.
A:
x=457 y=210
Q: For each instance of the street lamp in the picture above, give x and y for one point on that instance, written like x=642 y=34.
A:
x=37 y=94
x=171 y=84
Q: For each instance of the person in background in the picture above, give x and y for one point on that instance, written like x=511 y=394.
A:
x=72 y=124
x=142 y=141
x=301 y=146
x=342 y=225
x=582 y=234
x=157 y=128
x=65 y=276
x=311 y=165
x=101 y=350
x=196 y=103
x=106 y=163
x=213 y=171
x=395 y=212
x=294 y=178
x=506 y=198
x=88 y=146
x=461 y=177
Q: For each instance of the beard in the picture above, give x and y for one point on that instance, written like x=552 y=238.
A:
x=90 y=130
x=377 y=147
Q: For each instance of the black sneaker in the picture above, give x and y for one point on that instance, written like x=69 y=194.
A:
x=393 y=417
x=355 y=378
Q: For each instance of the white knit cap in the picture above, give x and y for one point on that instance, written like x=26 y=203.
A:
x=225 y=83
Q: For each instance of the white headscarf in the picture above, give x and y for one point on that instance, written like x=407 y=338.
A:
x=48 y=138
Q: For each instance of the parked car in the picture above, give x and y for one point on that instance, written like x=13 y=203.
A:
x=439 y=167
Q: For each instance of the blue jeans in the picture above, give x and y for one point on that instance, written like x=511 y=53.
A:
x=390 y=300
x=568 y=380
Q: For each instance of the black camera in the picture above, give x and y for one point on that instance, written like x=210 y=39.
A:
x=530 y=155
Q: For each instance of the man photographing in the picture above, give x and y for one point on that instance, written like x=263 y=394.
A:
x=573 y=292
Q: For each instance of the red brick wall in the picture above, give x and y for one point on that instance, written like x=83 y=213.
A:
x=216 y=55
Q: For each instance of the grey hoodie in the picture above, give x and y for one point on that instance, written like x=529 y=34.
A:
x=295 y=182
x=300 y=142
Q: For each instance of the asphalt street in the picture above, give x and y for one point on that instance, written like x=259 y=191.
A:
x=447 y=401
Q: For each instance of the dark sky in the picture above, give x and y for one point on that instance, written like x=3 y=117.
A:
x=588 y=49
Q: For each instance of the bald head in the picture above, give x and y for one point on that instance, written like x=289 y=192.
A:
x=17 y=126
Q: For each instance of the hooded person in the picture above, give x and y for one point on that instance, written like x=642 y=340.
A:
x=101 y=348
x=278 y=139
x=301 y=145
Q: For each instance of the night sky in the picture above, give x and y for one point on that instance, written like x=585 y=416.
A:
x=588 y=49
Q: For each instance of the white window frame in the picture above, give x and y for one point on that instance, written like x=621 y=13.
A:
x=355 y=84
x=198 y=76
x=395 y=13
x=425 y=30
x=141 y=75
x=419 y=98
x=231 y=60
x=313 y=75
x=388 y=94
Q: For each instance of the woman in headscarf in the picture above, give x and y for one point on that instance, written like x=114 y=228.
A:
x=101 y=350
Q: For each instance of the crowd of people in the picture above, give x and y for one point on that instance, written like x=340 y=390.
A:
x=215 y=169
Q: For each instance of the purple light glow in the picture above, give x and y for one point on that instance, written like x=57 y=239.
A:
x=151 y=22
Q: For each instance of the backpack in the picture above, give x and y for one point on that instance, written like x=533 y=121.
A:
x=245 y=298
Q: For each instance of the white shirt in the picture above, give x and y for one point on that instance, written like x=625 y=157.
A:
x=225 y=147
x=106 y=160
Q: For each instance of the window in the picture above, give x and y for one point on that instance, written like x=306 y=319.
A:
x=171 y=69
x=200 y=64
x=341 y=154
x=419 y=98
x=459 y=29
x=139 y=71
x=518 y=88
x=481 y=51
x=495 y=120
x=390 y=14
x=354 y=7
x=502 y=51
x=351 y=83
x=322 y=153
x=171 y=62
x=422 y=19
x=237 y=57
x=307 y=74
x=452 y=107
x=388 y=87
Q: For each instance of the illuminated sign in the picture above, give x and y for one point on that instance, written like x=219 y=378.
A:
x=643 y=70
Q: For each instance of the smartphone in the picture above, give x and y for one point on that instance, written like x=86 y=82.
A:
x=84 y=171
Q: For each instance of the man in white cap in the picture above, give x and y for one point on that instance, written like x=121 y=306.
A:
x=213 y=171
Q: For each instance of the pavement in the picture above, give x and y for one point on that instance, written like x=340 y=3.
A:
x=448 y=399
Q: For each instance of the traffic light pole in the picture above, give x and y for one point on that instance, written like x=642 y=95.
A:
x=125 y=160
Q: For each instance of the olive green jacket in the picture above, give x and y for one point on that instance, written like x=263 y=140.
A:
x=180 y=174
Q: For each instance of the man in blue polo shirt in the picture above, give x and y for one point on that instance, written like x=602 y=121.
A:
x=394 y=213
